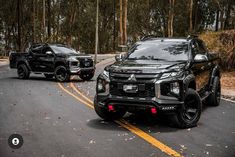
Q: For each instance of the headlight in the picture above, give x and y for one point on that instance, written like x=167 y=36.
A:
x=106 y=73
x=103 y=83
x=170 y=89
x=172 y=74
x=102 y=86
x=175 y=88
x=74 y=63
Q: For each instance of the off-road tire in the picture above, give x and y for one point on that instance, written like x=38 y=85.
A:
x=214 y=98
x=189 y=114
x=61 y=74
x=23 y=71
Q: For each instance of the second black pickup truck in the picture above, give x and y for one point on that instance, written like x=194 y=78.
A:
x=53 y=60
x=160 y=75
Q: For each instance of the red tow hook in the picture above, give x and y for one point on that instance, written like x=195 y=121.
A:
x=153 y=110
x=110 y=108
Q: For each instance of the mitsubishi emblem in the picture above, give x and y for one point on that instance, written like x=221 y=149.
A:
x=132 y=78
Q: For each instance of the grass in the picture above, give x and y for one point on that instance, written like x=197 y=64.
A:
x=228 y=80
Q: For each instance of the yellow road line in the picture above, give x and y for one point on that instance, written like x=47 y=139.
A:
x=74 y=88
x=148 y=138
x=76 y=97
x=131 y=128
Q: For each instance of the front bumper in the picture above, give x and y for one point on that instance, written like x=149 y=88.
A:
x=135 y=103
x=77 y=71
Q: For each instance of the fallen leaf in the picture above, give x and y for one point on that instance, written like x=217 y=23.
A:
x=209 y=145
x=47 y=118
x=92 y=142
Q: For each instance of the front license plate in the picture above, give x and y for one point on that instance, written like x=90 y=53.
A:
x=130 y=88
x=87 y=64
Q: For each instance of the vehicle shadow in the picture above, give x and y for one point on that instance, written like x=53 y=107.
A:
x=77 y=80
x=147 y=123
x=34 y=78
x=41 y=78
x=104 y=125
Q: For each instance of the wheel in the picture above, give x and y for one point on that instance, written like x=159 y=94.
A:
x=190 y=113
x=61 y=74
x=214 y=98
x=86 y=76
x=106 y=115
x=49 y=76
x=23 y=71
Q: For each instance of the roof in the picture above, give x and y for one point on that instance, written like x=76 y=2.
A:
x=154 y=40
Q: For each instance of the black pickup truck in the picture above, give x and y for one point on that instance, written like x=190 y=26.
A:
x=160 y=76
x=52 y=60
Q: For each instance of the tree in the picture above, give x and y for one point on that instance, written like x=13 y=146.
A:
x=73 y=22
x=171 y=18
x=49 y=18
x=120 y=23
x=125 y=23
x=191 y=16
x=19 y=23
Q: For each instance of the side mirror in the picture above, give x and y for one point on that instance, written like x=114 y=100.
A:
x=200 y=58
x=119 y=57
x=49 y=53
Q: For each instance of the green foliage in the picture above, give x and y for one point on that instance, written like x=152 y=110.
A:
x=73 y=21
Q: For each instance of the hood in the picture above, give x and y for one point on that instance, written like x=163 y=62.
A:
x=145 y=66
x=79 y=55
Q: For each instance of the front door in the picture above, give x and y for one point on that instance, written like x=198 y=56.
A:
x=201 y=69
x=40 y=61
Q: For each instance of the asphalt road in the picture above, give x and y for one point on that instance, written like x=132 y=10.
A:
x=57 y=120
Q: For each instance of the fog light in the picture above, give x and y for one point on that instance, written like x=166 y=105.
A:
x=153 y=110
x=110 y=108
x=175 y=88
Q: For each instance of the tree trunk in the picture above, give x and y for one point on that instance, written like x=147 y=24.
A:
x=222 y=19
x=19 y=24
x=58 y=25
x=171 y=18
x=49 y=18
x=226 y=22
x=43 y=19
x=217 y=20
x=120 y=24
x=124 y=23
x=33 y=21
x=71 y=21
x=191 y=16
x=114 y=24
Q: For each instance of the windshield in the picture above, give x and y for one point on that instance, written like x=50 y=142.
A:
x=158 y=50
x=62 y=49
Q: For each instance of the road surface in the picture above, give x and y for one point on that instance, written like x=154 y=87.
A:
x=58 y=120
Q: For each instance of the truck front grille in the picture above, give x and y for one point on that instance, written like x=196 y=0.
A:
x=144 y=90
x=86 y=62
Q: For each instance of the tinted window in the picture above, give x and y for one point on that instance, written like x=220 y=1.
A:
x=201 y=47
x=198 y=47
x=166 y=50
x=62 y=49
x=45 y=49
x=37 y=49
